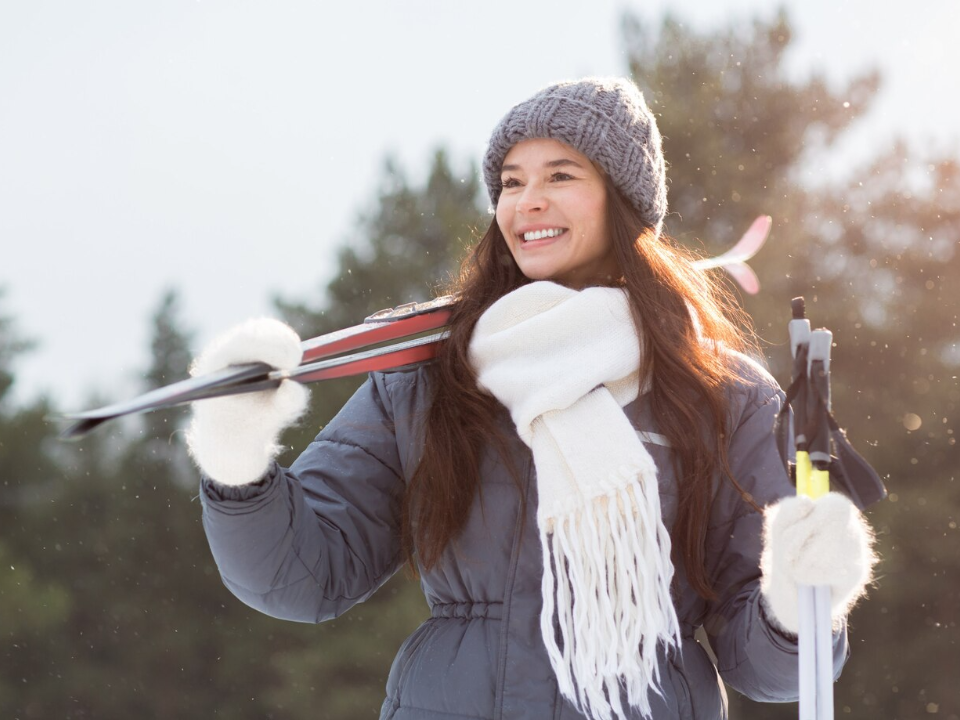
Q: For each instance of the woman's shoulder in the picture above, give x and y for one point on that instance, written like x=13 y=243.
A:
x=405 y=377
x=752 y=384
x=403 y=386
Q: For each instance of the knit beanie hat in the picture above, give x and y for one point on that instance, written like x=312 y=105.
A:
x=607 y=120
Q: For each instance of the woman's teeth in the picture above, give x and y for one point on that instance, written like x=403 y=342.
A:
x=540 y=234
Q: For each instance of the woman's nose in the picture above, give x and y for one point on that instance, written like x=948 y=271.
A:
x=532 y=199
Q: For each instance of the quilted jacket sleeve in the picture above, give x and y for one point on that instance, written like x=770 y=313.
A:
x=308 y=542
x=753 y=656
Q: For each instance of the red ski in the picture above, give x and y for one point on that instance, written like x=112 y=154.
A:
x=352 y=351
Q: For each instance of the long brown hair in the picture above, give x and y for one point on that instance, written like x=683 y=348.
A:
x=675 y=308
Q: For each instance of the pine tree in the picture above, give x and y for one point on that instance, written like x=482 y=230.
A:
x=33 y=604
x=872 y=252
x=170 y=362
x=404 y=250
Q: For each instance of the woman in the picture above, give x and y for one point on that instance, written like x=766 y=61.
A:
x=579 y=478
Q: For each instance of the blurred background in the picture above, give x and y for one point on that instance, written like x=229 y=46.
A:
x=169 y=169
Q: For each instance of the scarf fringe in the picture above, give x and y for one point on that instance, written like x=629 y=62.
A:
x=606 y=580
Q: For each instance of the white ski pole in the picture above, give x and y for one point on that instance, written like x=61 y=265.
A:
x=819 y=484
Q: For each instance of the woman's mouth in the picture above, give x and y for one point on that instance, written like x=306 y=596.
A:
x=542 y=234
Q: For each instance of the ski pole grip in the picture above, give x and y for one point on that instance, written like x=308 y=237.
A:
x=799 y=326
x=818 y=371
x=821 y=340
x=799 y=330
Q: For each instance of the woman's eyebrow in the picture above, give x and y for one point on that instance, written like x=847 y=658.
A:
x=551 y=164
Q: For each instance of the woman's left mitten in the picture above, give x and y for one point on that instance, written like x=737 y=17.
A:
x=814 y=542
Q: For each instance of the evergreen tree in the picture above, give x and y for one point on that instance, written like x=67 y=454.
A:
x=32 y=603
x=170 y=362
x=112 y=607
x=403 y=251
x=871 y=252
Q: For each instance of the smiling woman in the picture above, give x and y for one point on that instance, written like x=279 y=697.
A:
x=578 y=477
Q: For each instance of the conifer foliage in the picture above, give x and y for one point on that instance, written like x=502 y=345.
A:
x=111 y=606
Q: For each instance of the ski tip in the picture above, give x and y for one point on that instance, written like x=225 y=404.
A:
x=745 y=277
x=761 y=225
x=754 y=238
x=79 y=428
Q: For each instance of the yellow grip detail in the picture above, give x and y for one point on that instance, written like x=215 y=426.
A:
x=810 y=482
x=819 y=483
x=804 y=469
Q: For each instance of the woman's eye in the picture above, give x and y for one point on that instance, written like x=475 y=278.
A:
x=506 y=183
x=560 y=177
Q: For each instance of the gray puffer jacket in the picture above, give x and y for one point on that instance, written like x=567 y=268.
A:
x=310 y=542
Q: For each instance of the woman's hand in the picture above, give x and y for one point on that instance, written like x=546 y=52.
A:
x=814 y=542
x=233 y=439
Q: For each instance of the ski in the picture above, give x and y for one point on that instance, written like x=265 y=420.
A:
x=390 y=357
x=383 y=326
x=345 y=352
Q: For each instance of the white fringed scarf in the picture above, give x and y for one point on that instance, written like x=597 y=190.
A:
x=565 y=362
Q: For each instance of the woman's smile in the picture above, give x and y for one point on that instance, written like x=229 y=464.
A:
x=537 y=237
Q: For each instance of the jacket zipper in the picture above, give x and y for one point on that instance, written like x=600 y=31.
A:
x=508 y=598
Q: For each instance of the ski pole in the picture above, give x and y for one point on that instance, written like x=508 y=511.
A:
x=811 y=352
x=818 y=399
x=799 y=329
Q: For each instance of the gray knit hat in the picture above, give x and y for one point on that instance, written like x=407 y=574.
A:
x=607 y=120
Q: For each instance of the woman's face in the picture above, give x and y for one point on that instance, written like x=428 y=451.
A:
x=552 y=213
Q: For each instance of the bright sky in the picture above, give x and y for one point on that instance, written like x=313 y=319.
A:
x=226 y=147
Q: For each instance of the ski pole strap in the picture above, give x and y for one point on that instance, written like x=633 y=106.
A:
x=848 y=473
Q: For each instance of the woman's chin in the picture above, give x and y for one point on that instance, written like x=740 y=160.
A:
x=545 y=277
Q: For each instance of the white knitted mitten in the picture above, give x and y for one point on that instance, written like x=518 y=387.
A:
x=814 y=542
x=234 y=438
